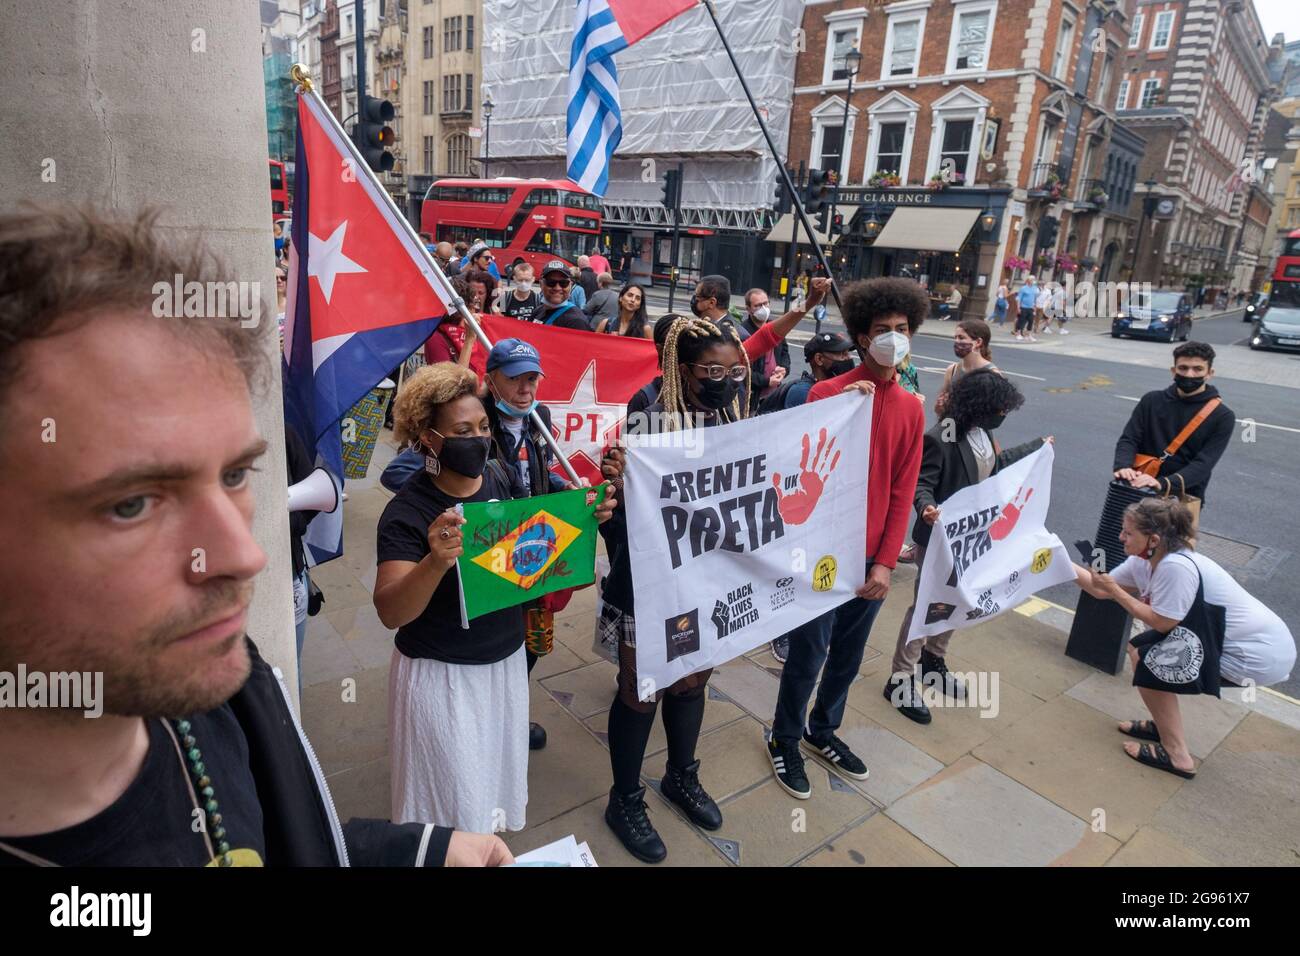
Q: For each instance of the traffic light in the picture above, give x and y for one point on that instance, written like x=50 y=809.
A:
x=784 y=201
x=672 y=188
x=837 y=224
x=372 y=134
x=815 y=194
x=1048 y=227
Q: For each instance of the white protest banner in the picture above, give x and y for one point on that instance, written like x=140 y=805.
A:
x=989 y=550
x=744 y=532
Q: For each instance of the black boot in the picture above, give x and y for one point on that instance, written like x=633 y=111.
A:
x=904 y=692
x=536 y=736
x=626 y=816
x=934 y=670
x=683 y=788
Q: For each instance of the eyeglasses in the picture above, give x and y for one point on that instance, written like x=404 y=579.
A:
x=556 y=283
x=281 y=279
x=718 y=372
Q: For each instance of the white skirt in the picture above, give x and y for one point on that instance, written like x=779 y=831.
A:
x=459 y=742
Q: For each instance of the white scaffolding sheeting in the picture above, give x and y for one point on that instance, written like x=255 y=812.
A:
x=681 y=99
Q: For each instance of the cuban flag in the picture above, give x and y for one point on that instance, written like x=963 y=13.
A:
x=595 y=122
x=362 y=296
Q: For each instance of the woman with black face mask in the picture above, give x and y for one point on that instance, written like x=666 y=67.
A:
x=706 y=382
x=957 y=452
x=458 y=697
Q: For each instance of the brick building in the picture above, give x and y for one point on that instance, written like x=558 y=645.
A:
x=1196 y=86
x=1007 y=100
x=331 y=75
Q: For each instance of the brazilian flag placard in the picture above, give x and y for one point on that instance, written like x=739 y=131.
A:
x=519 y=550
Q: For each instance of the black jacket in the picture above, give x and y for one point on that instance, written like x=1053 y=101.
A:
x=949 y=466
x=1158 y=418
x=589 y=281
x=759 y=381
x=299 y=466
x=568 y=316
x=540 y=460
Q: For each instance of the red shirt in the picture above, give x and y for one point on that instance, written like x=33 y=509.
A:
x=897 y=430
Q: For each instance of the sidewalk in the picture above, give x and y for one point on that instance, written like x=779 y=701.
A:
x=1044 y=782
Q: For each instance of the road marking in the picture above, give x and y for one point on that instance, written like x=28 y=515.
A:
x=931 y=358
x=1243 y=422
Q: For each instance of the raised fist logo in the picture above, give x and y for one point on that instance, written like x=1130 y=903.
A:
x=797 y=506
x=1000 y=528
x=721 y=618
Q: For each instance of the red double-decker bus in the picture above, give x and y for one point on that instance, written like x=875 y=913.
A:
x=533 y=220
x=279 y=189
x=1287 y=267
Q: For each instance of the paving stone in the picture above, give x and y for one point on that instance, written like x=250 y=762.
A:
x=1150 y=847
x=1276 y=706
x=348 y=733
x=586 y=690
x=362 y=791
x=686 y=846
x=326 y=656
x=1206 y=720
x=772 y=828
x=570 y=770
x=577 y=633
x=895 y=765
x=370 y=641
x=976 y=816
x=340 y=585
x=731 y=759
x=953 y=731
x=1025 y=653
x=1073 y=756
x=559 y=661
x=877 y=842
x=748 y=685
x=1274 y=746
x=1236 y=813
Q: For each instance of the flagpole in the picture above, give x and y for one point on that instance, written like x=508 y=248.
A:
x=298 y=73
x=771 y=145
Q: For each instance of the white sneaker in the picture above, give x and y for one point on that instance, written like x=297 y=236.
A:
x=1019 y=337
x=1047 y=331
x=1032 y=339
x=1065 y=331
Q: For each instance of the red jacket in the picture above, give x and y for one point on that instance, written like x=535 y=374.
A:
x=897 y=432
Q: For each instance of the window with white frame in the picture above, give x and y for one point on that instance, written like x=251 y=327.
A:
x=1121 y=98
x=902 y=47
x=972 y=32
x=832 y=148
x=957 y=136
x=1162 y=29
x=957 y=121
x=1135 y=38
x=1103 y=83
x=841 y=38
x=1150 y=94
x=890 y=144
x=1061 y=57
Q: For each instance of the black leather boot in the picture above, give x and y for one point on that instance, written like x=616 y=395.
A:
x=536 y=736
x=626 y=816
x=904 y=692
x=683 y=788
x=934 y=670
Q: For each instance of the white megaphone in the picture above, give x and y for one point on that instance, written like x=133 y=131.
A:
x=316 y=492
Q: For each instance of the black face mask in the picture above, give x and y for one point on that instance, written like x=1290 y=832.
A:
x=717 y=395
x=840 y=367
x=695 y=304
x=465 y=456
x=1187 y=383
x=992 y=422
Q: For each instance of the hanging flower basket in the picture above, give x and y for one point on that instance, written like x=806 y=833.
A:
x=1013 y=263
x=1065 y=264
x=938 y=182
x=884 y=180
x=1098 y=196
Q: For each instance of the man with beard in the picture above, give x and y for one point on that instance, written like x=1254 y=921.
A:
x=138 y=562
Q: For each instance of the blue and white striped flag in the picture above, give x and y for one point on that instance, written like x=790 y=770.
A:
x=595 y=122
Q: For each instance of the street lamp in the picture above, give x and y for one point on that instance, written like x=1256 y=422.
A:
x=486 y=107
x=852 y=61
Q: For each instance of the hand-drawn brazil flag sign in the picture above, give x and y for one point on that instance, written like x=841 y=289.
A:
x=519 y=550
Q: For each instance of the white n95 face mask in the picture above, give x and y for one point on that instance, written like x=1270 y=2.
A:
x=890 y=348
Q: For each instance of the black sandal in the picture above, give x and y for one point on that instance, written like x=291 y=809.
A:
x=1154 y=755
x=1142 y=730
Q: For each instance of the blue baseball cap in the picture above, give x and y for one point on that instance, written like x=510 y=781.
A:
x=514 y=357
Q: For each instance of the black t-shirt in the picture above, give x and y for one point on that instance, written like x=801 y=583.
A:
x=525 y=311
x=151 y=823
x=436 y=633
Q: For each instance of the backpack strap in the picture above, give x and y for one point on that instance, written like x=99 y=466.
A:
x=1191 y=426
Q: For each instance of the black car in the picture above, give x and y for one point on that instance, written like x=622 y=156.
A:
x=1164 y=314
x=1280 y=328
x=1256 y=306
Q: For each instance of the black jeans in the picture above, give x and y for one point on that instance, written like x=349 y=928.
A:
x=832 y=646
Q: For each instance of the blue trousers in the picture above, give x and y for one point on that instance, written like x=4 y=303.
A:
x=832 y=646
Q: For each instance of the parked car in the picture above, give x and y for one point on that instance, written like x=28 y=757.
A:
x=1280 y=328
x=1165 y=314
x=1256 y=306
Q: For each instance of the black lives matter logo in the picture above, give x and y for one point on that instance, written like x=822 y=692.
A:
x=682 y=634
x=736 y=612
x=985 y=606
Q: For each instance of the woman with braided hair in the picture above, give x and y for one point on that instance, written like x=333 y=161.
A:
x=706 y=383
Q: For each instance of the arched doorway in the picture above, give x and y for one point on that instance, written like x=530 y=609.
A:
x=1108 y=261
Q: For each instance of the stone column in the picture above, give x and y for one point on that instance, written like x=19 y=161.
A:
x=132 y=102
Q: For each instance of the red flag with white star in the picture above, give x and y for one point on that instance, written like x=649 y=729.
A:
x=587 y=380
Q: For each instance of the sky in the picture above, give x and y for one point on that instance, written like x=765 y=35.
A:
x=1279 y=16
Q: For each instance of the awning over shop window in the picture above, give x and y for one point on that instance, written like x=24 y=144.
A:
x=784 y=230
x=937 y=230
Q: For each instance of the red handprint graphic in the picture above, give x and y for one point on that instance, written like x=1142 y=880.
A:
x=1000 y=528
x=797 y=506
